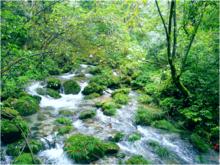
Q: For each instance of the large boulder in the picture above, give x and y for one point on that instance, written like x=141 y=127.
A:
x=71 y=87
x=53 y=83
x=86 y=149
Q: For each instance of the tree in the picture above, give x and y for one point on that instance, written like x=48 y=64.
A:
x=172 y=42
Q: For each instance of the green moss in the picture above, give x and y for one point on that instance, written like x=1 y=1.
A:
x=92 y=96
x=64 y=121
x=145 y=99
x=199 y=143
x=47 y=91
x=136 y=159
x=109 y=108
x=53 y=83
x=26 y=105
x=117 y=137
x=95 y=70
x=71 y=87
x=9 y=130
x=146 y=115
x=159 y=150
x=8 y=113
x=87 y=114
x=120 y=98
x=65 y=129
x=26 y=158
x=134 y=137
x=85 y=149
x=65 y=112
x=14 y=149
x=93 y=88
x=122 y=91
x=166 y=125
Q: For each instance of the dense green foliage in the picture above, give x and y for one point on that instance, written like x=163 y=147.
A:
x=167 y=52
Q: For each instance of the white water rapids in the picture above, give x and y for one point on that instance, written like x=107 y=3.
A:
x=103 y=127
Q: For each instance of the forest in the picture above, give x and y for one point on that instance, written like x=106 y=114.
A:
x=109 y=82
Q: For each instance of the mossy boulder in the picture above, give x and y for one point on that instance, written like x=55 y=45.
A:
x=64 y=121
x=53 y=83
x=109 y=108
x=48 y=91
x=121 y=91
x=136 y=159
x=26 y=105
x=9 y=130
x=26 y=158
x=121 y=98
x=8 y=113
x=146 y=115
x=87 y=114
x=134 y=137
x=14 y=149
x=93 y=88
x=65 y=129
x=86 y=149
x=199 y=143
x=117 y=137
x=166 y=125
x=66 y=112
x=71 y=87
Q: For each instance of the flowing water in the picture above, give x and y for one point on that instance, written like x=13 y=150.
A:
x=104 y=127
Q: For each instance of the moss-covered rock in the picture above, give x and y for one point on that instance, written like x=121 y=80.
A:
x=146 y=115
x=166 y=125
x=117 y=137
x=85 y=149
x=14 y=149
x=26 y=158
x=53 y=83
x=71 y=87
x=87 y=114
x=65 y=129
x=65 y=112
x=48 y=91
x=134 y=137
x=64 y=121
x=9 y=130
x=93 y=88
x=8 y=113
x=109 y=108
x=26 y=105
x=121 y=98
x=137 y=159
x=199 y=143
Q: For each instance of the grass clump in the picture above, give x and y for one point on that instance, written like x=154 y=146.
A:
x=53 y=83
x=134 y=137
x=117 y=137
x=199 y=143
x=85 y=149
x=64 y=121
x=64 y=129
x=26 y=158
x=161 y=151
x=166 y=125
x=136 y=159
x=146 y=115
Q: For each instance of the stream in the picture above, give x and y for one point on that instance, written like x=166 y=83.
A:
x=101 y=126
